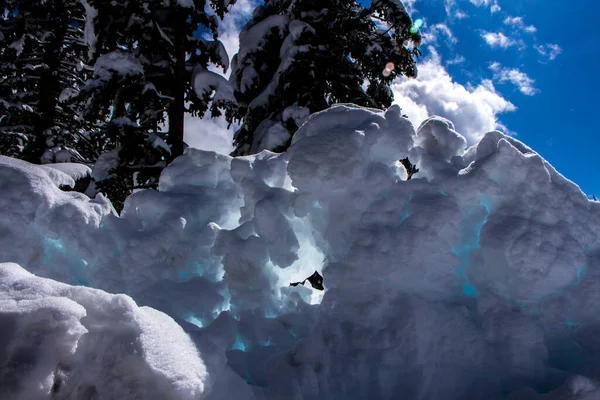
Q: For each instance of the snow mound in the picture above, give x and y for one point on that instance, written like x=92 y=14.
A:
x=64 y=341
x=438 y=137
x=75 y=171
x=478 y=278
x=38 y=220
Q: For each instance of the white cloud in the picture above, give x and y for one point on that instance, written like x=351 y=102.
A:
x=492 y=4
x=208 y=134
x=517 y=22
x=212 y=133
x=549 y=50
x=518 y=78
x=230 y=26
x=498 y=39
x=480 y=3
x=436 y=32
x=456 y=60
x=453 y=11
x=473 y=110
x=410 y=5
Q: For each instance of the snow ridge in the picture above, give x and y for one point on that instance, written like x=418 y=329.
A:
x=477 y=278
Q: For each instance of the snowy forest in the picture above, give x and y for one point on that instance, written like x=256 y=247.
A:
x=107 y=83
x=339 y=252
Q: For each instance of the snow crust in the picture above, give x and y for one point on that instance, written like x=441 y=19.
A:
x=477 y=279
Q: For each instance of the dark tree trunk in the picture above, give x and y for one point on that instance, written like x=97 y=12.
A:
x=49 y=83
x=177 y=109
x=119 y=104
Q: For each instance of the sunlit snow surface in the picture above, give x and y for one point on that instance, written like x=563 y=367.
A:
x=476 y=279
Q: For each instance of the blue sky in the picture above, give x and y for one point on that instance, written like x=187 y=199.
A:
x=541 y=56
x=526 y=67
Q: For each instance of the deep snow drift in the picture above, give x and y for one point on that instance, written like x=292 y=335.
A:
x=478 y=278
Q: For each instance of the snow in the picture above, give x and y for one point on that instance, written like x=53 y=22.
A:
x=89 y=36
x=186 y=3
x=249 y=79
x=119 y=63
x=255 y=36
x=291 y=54
x=395 y=11
x=438 y=137
x=269 y=135
x=75 y=171
x=164 y=35
x=86 y=343
x=158 y=143
x=296 y=113
x=66 y=94
x=17 y=45
x=205 y=82
x=479 y=278
x=296 y=30
x=222 y=54
x=124 y=121
x=252 y=38
x=104 y=164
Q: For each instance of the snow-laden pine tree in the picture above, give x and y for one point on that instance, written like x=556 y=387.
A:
x=151 y=62
x=161 y=42
x=298 y=57
x=41 y=54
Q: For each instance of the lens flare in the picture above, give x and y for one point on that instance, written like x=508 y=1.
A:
x=389 y=67
x=416 y=26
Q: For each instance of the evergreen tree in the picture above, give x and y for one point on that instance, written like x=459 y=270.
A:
x=143 y=55
x=41 y=53
x=160 y=35
x=298 y=57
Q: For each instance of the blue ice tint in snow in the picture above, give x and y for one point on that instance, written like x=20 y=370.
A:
x=199 y=269
x=580 y=274
x=56 y=243
x=407 y=213
x=469 y=289
x=571 y=324
x=486 y=203
x=226 y=306
x=81 y=279
x=385 y=192
x=52 y=247
x=192 y=269
x=240 y=344
x=471 y=237
x=192 y=319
